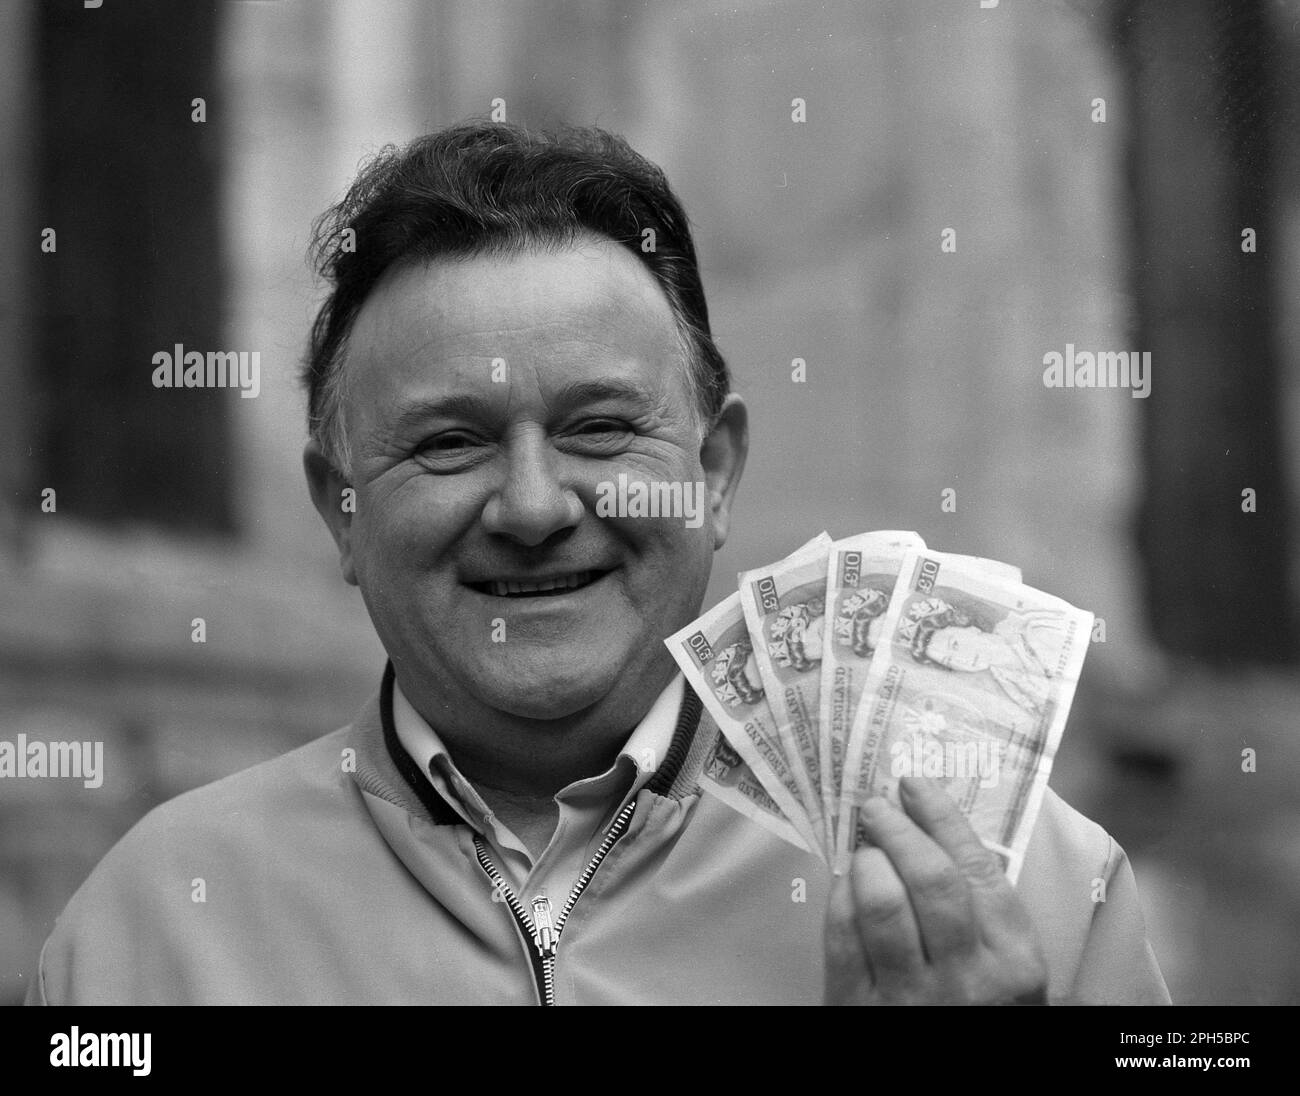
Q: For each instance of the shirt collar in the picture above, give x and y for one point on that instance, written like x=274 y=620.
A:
x=642 y=754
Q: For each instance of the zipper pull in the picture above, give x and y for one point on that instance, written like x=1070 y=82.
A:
x=543 y=925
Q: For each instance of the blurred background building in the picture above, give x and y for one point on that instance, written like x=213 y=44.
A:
x=1098 y=164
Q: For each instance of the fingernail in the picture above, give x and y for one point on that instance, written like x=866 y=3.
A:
x=877 y=807
x=911 y=785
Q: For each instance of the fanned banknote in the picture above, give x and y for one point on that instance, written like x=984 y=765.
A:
x=833 y=673
x=717 y=659
x=861 y=575
x=784 y=606
x=860 y=578
x=971 y=684
x=725 y=775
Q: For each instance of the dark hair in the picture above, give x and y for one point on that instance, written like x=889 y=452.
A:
x=794 y=644
x=874 y=605
x=936 y=621
x=748 y=691
x=492 y=188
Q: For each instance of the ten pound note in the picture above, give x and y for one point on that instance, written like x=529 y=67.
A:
x=784 y=606
x=971 y=684
x=725 y=775
x=861 y=574
x=716 y=656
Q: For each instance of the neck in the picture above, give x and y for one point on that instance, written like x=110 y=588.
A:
x=531 y=818
x=525 y=761
x=532 y=767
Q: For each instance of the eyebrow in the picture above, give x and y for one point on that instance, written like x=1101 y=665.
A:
x=415 y=412
x=595 y=391
x=574 y=394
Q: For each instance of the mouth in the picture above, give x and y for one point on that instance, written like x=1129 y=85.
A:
x=551 y=586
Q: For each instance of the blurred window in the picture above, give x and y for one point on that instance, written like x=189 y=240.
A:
x=131 y=185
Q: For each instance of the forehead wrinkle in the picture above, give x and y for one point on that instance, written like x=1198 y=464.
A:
x=623 y=319
x=626 y=296
x=653 y=364
x=628 y=292
x=441 y=346
x=412 y=411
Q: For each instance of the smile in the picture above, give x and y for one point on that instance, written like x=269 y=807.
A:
x=542 y=587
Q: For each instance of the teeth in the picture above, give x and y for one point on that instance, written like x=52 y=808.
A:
x=561 y=582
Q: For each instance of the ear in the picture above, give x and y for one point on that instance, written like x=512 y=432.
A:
x=722 y=455
x=327 y=486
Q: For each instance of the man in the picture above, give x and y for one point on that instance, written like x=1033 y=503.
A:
x=514 y=321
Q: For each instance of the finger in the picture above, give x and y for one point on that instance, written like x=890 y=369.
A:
x=997 y=906
x=886 y=924
x=846 y=961
x=938 y=893
x=842 y=936
x=935 y=812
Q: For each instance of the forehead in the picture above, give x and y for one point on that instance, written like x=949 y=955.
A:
x=583 y=308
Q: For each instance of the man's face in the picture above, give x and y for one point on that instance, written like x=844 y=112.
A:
x=487 y=400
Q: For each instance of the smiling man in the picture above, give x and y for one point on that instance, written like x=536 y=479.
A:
x=515 y=324
x=489 y=398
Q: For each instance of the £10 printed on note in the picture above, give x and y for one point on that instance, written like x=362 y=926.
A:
x=847 y=665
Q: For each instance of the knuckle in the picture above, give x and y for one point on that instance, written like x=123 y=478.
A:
x=879 y=909
x=940 y=881
x=883 y=820
x=941 y=805
x=982 y=868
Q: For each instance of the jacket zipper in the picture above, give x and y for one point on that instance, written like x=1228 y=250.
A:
x=542 y=926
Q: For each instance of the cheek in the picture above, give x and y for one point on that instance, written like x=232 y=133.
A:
x=665 y=573
x=666 y=545
x=411 y=526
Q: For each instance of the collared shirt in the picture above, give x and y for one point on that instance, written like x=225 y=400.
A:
x=587 y=807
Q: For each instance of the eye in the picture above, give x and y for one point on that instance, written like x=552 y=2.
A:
x=447 y=443
x=598 y=436
x=451 y=451
x=602 y=426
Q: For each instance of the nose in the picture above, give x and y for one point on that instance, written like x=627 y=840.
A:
x=531 y=503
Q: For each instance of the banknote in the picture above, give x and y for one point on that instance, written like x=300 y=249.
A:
x=725 y=776
x=860 y=578
x=861 y=574
x=717 y=660
x=785 y=610
x=971 y=684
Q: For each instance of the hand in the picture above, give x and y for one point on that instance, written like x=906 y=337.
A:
x=925 y=914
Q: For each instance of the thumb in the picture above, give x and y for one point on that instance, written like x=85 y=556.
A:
x=846 y=962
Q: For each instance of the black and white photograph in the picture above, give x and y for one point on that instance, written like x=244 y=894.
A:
x=650 y=502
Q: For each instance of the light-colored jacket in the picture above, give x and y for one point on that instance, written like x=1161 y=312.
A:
x=332 y=875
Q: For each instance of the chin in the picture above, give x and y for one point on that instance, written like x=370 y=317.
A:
x=548 y=688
